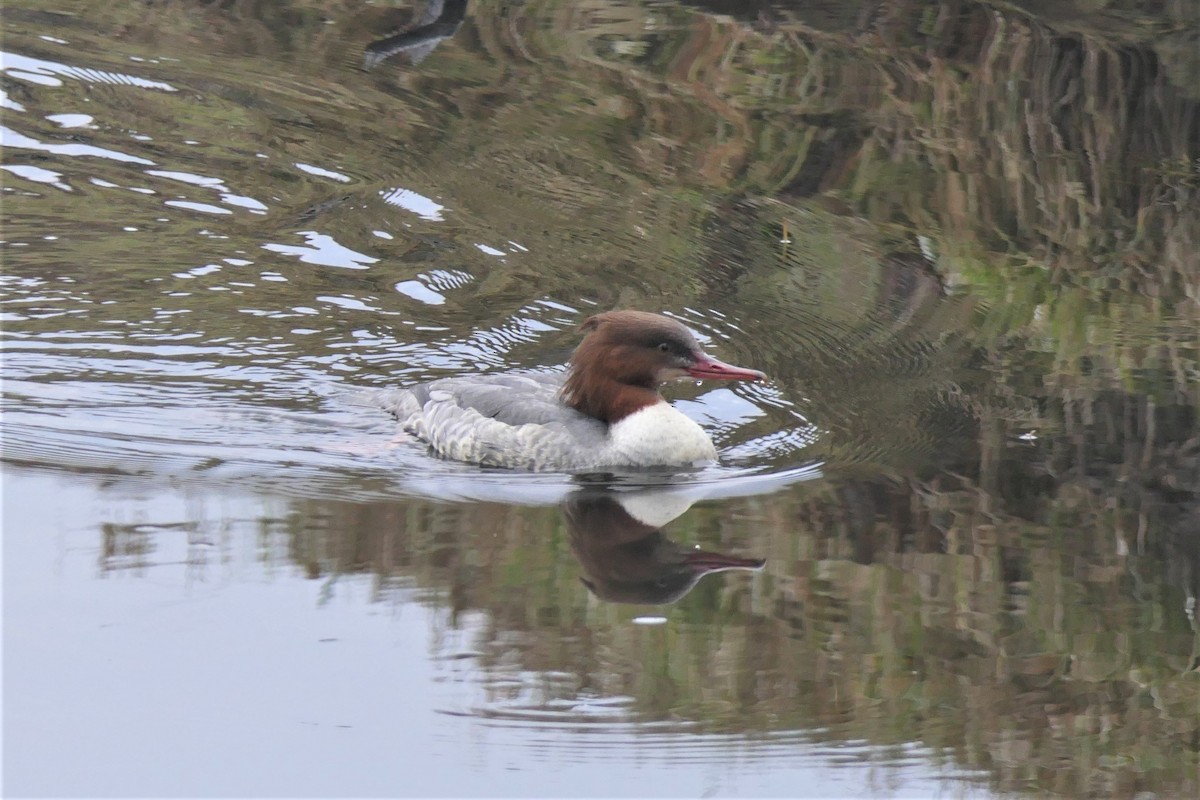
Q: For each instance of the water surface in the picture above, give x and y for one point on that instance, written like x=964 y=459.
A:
x=959 y=239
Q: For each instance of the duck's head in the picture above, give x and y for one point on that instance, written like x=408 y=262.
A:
x=626 y=355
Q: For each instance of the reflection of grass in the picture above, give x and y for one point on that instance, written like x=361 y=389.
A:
x=1073 y=150
x=1099 y=336
x=1070 y=150
x=1015 y=646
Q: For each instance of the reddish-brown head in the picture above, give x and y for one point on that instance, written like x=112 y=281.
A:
x=626 y=355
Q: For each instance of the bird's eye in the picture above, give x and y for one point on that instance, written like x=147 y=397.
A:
x=663 y=346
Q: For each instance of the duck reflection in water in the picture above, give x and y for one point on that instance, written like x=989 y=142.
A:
x=440 y=21
x=618 y=540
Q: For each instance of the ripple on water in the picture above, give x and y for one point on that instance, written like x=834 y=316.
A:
x=585 y=727
x=229 y=295
x=236 y=412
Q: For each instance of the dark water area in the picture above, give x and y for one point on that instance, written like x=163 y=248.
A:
x=952 y=547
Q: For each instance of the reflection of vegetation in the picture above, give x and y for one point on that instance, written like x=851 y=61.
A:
x=1053 y=171
x=1047 y=641
x=1074 y=149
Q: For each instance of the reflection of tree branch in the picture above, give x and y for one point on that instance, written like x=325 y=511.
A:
x=440 y=21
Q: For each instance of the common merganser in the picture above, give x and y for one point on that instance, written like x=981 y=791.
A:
x=605 y=412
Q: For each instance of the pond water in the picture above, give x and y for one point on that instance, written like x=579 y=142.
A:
x=952 y=547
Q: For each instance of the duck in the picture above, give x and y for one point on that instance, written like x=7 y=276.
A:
x=606 y=412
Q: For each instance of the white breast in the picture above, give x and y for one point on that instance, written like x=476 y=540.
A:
x=659 y=434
